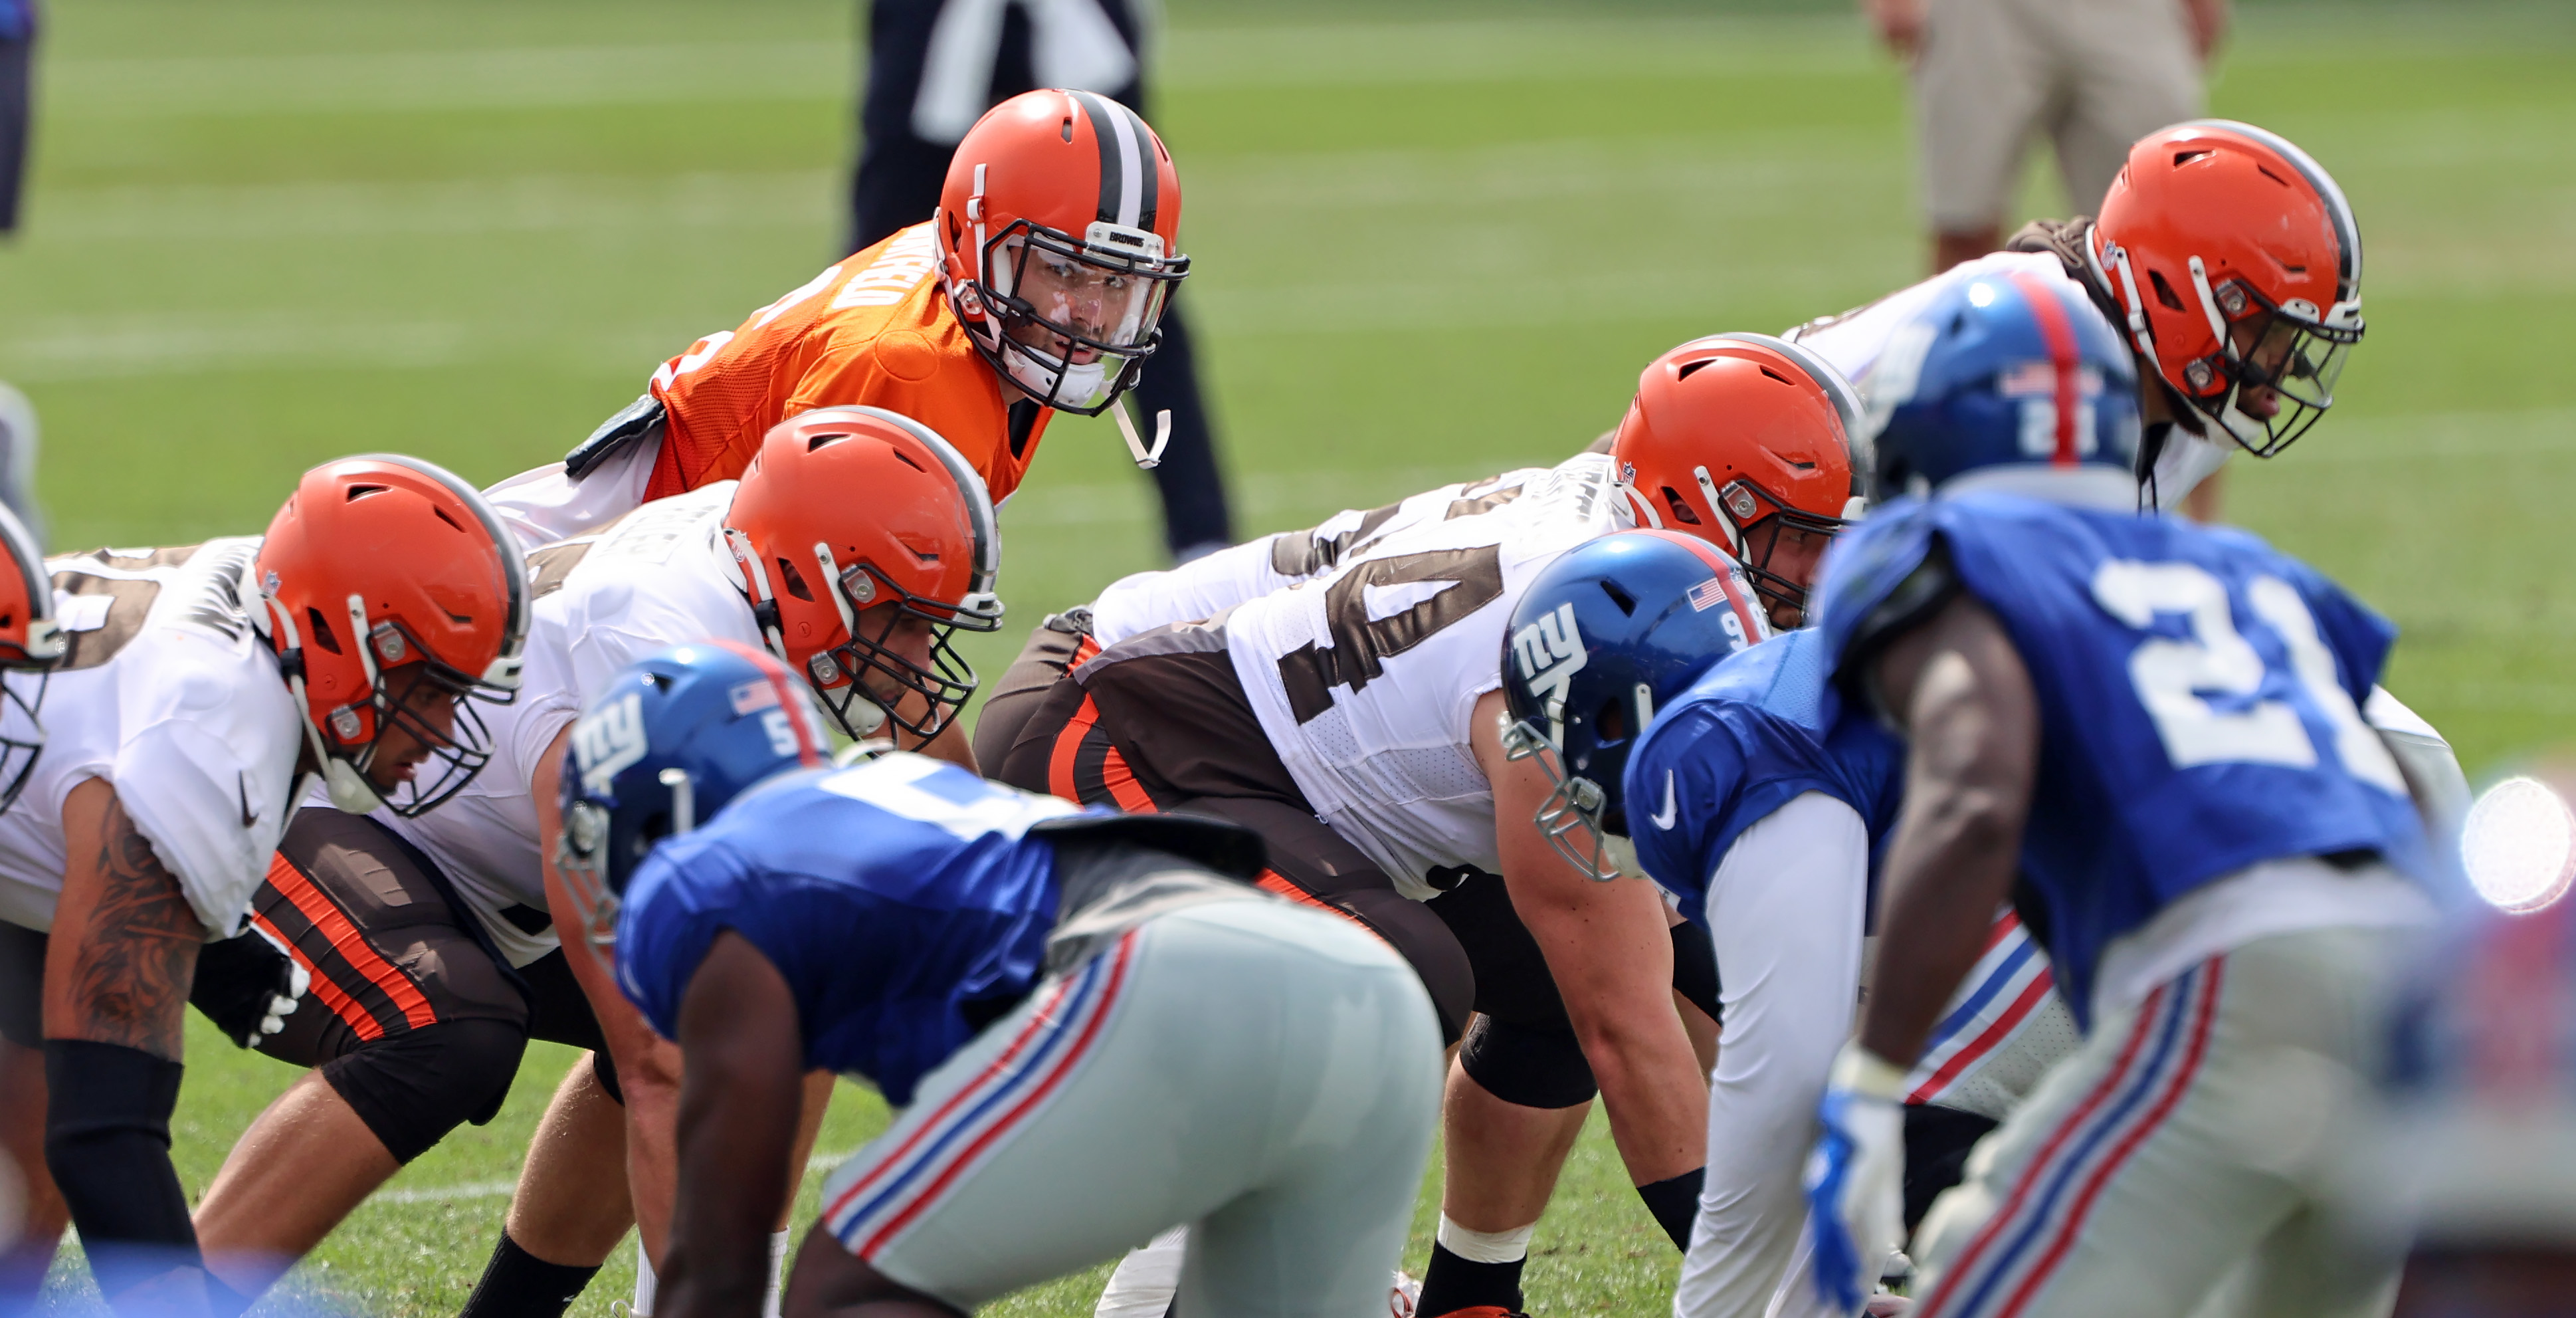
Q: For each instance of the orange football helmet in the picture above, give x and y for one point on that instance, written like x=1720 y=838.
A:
x=379 y=574
x=1059 y=227
x=1736 y=439
x=849 y=522
x=31 y=641
x=2238 y=263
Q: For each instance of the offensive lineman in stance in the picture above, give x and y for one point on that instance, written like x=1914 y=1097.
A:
x=1036 y=287
x=1093 y=1025
x=203 y=688
x=2157 y=729
x=446 y=942
x=1366 y=748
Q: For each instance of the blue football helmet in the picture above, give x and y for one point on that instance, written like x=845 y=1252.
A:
x=1603 y=637
x=674 y=737
x=2010 y=370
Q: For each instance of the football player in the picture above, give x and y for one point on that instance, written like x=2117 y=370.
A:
x=1762 y=832
x=1697 y=407
x=2157 y=728
x=361 y=642
x=1036 y=287
x=1092 y=1024
x=1354 y=721
x=2225 y=259
x=442 y=943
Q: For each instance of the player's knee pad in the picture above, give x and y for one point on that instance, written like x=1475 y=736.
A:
x=1531 y=1065
x=1695 y=967
x=413 y=1088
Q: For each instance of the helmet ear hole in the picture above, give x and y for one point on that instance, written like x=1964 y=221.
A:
x=320 y=627
x=2164 y=291
x=1610 y=722
x=794 y=581
x=1680 y=506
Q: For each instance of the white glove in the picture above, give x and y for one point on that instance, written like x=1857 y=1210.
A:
x=290 y=991
x=1856 y=1177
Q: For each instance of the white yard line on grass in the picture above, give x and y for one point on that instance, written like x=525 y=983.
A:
x=440 y=1194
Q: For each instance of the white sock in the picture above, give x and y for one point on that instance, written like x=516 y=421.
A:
x=777 y=1271
x=1143 y=1283
x=644 y=1282
x=1485 y=1246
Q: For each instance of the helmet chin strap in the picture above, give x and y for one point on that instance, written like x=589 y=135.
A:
x=350 y=790
x=755 y=580
x=1146 y=459
x=1708 y=491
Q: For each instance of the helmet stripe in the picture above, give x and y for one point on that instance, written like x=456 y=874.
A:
x=1117 y=159
x=1719 y=563
x=782 y=683
x=2060 y=336
x=2347 y=229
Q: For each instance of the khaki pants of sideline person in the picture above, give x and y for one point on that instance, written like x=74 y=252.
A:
x=2094 y=76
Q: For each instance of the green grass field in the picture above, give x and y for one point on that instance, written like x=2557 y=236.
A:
x=1431 y=240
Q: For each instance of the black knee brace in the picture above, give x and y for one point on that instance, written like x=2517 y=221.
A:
x=413 y=1088
x=1695 y=967
x=1531 y=1065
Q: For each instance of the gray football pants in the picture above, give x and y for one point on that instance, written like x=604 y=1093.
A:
x=1268 y=1074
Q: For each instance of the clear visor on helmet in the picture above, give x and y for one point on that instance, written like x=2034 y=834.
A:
x=581 y=857
x=1570 y=817
x=2281 y=363
x=1077 y=319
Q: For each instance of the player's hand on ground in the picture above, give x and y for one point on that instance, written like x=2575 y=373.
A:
x=1856 y=1177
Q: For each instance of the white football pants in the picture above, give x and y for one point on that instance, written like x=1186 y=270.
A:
x=1268 y=1074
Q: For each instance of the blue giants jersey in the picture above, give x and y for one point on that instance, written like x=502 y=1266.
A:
x=2199 y=698
x=890 y=895
x=1753 y=733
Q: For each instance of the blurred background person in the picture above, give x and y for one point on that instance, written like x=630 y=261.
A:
x=2094 y=76
x=934 y=67
x=2483 y=1093
x=17 y=415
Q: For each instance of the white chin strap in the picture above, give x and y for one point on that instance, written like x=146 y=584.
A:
x=1146 y=458
x=351 y=793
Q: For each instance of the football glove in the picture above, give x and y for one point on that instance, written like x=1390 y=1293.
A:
x=1856 y=1177
x=249 y=985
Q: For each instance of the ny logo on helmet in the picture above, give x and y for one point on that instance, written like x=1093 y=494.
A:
x=1550 y=652
x=609 y=739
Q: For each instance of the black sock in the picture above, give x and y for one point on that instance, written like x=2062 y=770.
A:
x=1674 y=1202
x=1452 y=1283
x=518 y=1284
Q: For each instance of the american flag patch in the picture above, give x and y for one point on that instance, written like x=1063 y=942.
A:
x=1707 y=595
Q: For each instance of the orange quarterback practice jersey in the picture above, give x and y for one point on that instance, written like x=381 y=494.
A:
x=874 y=330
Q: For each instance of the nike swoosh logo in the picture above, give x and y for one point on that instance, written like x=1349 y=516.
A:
x=1665 y=819
x=250 y=817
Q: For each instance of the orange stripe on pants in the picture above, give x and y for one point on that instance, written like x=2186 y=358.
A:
x=345 y=939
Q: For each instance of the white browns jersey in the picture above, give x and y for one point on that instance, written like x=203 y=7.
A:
x=1366 y=677
x=1206 y=587
x=1853 y=341
x=170 y=694
x=655 y=578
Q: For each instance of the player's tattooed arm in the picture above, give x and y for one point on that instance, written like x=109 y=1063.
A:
x=126 y=940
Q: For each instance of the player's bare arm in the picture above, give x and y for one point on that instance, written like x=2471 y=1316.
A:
x=126 y=939
x=739 y=1110
x=1608 y=947
x=1964 y=700
x=648 y=1067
